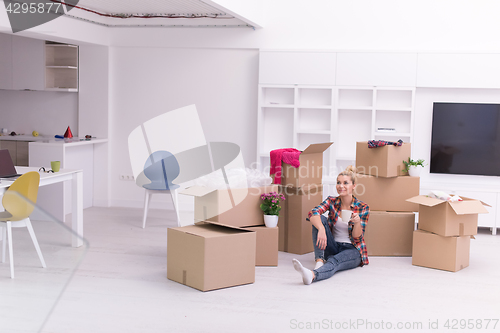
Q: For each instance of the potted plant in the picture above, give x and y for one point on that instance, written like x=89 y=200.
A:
x=412 y=167
x=271 y=208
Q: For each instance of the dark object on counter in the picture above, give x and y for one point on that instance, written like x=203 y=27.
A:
x=59 y=137
x=88 y=136
x=12 y=134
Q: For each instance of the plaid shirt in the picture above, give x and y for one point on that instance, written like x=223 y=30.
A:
x=332 y=204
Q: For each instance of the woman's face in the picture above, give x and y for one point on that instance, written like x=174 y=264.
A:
x=344 y=186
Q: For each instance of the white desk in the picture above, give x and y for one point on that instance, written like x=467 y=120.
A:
x=76 y=177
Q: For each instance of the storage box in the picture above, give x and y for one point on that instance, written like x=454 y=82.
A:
x=388 y=194
x=386 y=161
x=210 y=256
x=389 y=233
x=448 y=218
x=436 y=251
x=267 y=245
x=295 y=233
x=238 y=207
x=310 y=170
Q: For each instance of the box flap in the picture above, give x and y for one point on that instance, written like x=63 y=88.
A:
x=468 y=207
x=317 y=148
x=425 y=200
x=197 y=191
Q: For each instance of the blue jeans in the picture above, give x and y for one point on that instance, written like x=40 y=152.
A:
x=337 y=256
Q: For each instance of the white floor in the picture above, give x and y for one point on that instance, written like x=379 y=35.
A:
x=121 y=286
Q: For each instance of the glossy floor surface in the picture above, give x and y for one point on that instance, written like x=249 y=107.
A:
x=118 y=283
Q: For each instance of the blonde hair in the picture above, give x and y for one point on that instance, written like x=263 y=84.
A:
x=350 y=171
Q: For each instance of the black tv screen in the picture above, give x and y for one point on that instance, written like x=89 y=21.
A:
x=465 y=139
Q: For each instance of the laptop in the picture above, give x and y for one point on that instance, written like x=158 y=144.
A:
x=7 y=168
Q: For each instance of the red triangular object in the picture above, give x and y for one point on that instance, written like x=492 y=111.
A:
x=68 y=133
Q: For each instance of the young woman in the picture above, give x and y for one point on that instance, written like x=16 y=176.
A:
x=338 y=244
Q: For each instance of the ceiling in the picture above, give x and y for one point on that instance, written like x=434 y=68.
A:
x=156 y=13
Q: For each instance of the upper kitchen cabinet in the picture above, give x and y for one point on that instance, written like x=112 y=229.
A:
x=28 y=59
x=5 y=61
x=61 y=67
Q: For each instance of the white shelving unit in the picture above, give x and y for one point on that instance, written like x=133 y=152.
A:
x=61 y=67
x=294 y=116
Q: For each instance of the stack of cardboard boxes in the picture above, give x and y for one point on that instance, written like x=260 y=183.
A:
x=227 y=242
x=382 y=184
x=303 y=191
x=445 y=228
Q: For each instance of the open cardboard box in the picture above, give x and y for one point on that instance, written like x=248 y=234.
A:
x=267 y=245
x=210 y=256
x=436 y=251
x=385 y=161
x=447 y=218
x=310 y=170
x=390 y=233
x=239 y=207
x=388 y=194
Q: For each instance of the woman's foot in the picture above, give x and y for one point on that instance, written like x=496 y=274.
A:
x=319 y=263
x=307 y=275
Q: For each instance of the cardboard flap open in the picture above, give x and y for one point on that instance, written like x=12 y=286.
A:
x=425 y=200
x=468 y=207
x=197 y=191
x=316 y=148
x=208 y=229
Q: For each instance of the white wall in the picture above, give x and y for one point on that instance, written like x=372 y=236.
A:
x=147 y=82
x=47 y=112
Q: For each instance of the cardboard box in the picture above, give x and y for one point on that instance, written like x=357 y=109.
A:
x=390 y=233
x=267 y=245
x=238 y=207
x=310 y=170
x=210 y=256
x=295 y=233
x=388 y=194
x=436 y=251
x=448 y=218
x=386 y=161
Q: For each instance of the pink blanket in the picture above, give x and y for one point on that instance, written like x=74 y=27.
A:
x=286 y=155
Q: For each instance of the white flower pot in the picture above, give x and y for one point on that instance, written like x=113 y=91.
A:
x=271 y=221
x=414 y=170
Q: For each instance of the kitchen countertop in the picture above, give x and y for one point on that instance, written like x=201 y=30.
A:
x=51 y=139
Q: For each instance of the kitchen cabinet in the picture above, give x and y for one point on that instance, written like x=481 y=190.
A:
x=18 y=151
x=5 y=61
x=61 y=67
x=28 y=58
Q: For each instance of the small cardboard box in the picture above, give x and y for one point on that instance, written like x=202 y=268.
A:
x=238 y=207
x=448 y=218
x=310 y=170
x=388 y=194
x=295 y=233
x=210 y=256
x=267 y=245
x=390 y=233
x=436 y=251
x=385 y=161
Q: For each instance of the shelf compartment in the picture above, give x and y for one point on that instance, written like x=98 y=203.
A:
x=314 y=119
x=315 y=96
x=394 y=99
x=278 y=96
x=401 y=121
x=356 y=126
x=61 y=55
x=355 y=98
x=306 y=139
x=277 y=129
x=61 y=78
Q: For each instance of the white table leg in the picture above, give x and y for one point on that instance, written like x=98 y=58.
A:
x=77 y=209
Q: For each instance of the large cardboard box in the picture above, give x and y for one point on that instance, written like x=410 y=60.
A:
x=448 y=218
x=267 y=245
x=386 y=161
x=310 y=170
x=436 y=251
x=390 y=233
x=238 y=207
x=295 y=233
x=210 y=256
x=388 y=194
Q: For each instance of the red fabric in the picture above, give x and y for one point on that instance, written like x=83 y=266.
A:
x=287 y=155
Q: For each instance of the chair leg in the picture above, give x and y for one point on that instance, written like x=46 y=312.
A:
x=35 y=242
x=147 y=199
x=4 y=242
x=11 y=255
x=175 y=201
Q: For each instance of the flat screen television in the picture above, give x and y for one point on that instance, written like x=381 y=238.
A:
x=465 y=139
